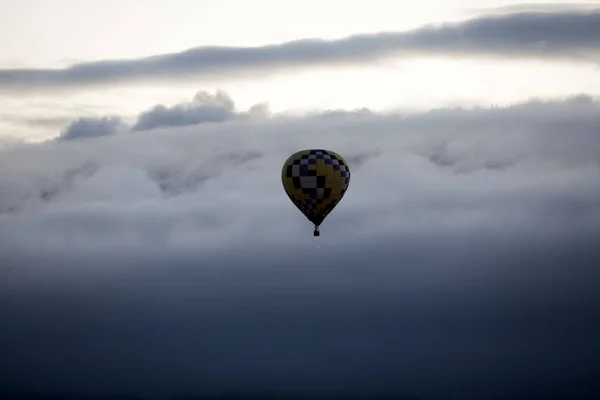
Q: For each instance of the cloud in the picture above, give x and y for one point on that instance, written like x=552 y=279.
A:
x=461 y=262
x=204 y=107
x=569 y=35
x=9 y=142
x=535 y=8
x=446 y=143
x=87 y=127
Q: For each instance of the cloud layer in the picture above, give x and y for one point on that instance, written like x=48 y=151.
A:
x=204 y=108
x=91 y=127
x=568 y=35
x=462 y=261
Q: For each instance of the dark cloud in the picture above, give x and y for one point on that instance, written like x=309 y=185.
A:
x=462 y=262
x=569 y=35
x=7 y=142
x=88 y=127
x=438 y=316
x=205 y=107
x=537 y=7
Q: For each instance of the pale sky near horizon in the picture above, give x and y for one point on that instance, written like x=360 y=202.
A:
x=40 y=34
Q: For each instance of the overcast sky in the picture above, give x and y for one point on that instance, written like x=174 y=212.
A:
x=147 y=245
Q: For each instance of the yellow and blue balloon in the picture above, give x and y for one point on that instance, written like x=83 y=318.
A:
x=315 y=180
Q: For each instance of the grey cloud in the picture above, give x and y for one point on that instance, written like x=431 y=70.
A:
x=259 y=110
x=9 y=142
x=89 y=127
x=204 y=107
x=570 y=35
x=479 y=317
x=178 y=178
x=459 y=142
x=462 y=261
x=536 y=7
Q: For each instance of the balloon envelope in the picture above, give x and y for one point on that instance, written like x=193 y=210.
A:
x=315 y=180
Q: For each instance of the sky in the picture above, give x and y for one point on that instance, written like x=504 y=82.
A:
x=147 y=245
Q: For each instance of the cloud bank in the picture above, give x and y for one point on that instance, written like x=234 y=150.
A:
x=91 y=127
x=567 y=35
x=204 y=108
x=463 y=260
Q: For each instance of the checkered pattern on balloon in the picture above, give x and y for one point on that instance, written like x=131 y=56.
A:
x=315 y=181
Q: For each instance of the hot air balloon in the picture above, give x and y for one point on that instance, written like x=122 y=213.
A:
x=315 y=180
